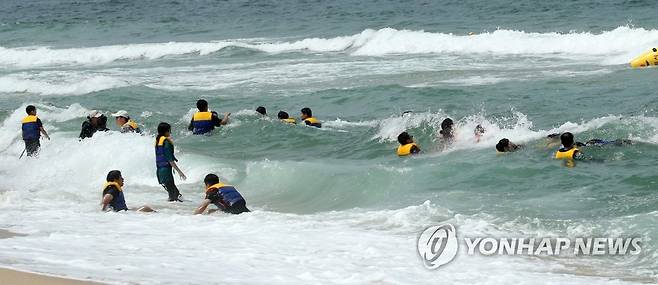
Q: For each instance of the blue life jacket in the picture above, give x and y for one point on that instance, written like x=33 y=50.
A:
x=202 y=123
x=229 y=195
x=30 y=128
x=160 y=158
x=118 y=202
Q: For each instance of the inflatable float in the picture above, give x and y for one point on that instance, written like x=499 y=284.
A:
x=646 y=59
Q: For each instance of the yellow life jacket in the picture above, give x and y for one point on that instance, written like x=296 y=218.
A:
x=312 y=120
x=648 y=58
x=289 y=121
x=161 y=141
x=30 y=119
x=405 y=150
x=202 y=116
x=107 y=184
x=566 y=154
x=131 y=124
x=216 y=186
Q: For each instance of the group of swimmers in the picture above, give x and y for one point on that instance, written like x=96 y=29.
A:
x=569 y=149
x=225 y=197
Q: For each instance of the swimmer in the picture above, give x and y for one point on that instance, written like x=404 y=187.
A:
x=309 y=120
x=505 y=145
x=284 y=117
x=478 y=132
x=205 y=121
x=407 y=145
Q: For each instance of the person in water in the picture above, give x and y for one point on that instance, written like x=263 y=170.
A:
x=284 y=117
x=126 y=124
x=505 y=145
x=552 y=140
x=447 y=132
x=95 y=122
x=205 y=121
x=225 y=197
x=478 y=132
x=165 y=162
x=309 y=120
x=407 y=145
x=113 y=199
x=32 y=129
x=261 y=110
x=569 y=150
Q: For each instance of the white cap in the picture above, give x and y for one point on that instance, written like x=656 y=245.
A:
x=121 y=113
x=95 y=114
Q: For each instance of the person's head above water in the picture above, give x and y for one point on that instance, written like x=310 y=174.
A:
x=505 y=145
x=479 y=130
x=502 y=145
x=122 y=117
x=405 y=138
x=114 y=176
x=164 y=129
x=202 y=105
x=261 y=110
x=95 y=117
x=211 y=179
x=306 y=113
x=31 y=110
x=282 y=115
x=566 y=139
x=446 y=127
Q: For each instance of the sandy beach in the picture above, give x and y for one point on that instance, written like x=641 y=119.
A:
x=15 y=277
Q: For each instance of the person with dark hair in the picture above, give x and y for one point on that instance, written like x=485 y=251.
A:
x=113 y=199
x=165 y=162
x=96 y=121
x=309 y=120
x=447 y=132
x=478 y=132
x=553 y=140
x=407 y=145
x=506 y=145
x=261 y=110
x=225 y=197
x=205 y=121
x=126 y=124
x=32 y=129
x=569 y=150
x=284 y=117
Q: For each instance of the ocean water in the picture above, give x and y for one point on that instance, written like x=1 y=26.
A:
x=331 y=205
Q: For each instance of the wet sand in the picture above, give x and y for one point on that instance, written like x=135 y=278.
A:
x=15 y=277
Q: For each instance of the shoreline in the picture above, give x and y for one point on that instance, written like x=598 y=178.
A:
x=18 y=277
x=11 y=276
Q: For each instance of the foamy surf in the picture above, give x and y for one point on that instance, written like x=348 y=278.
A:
x=609 y=47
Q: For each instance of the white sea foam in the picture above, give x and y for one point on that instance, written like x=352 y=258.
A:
x=69 y=85
x=608 y=47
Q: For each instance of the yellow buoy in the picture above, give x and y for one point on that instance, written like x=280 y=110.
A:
x=646 y=59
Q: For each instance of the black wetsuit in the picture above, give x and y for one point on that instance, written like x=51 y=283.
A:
x=88 y=129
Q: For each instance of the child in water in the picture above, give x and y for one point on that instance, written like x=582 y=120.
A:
x=166 y=162
x=407 y=145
